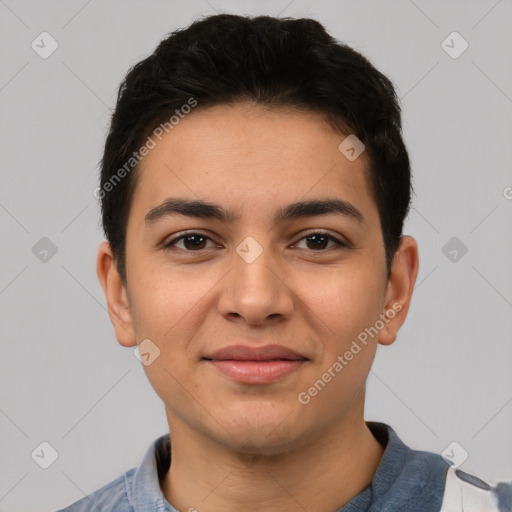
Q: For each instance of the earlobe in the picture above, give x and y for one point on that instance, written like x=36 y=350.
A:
x=402 y=279
x=115 y=295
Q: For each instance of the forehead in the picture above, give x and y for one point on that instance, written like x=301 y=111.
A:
x=246 y=156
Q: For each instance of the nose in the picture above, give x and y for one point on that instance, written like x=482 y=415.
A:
x=259 y=287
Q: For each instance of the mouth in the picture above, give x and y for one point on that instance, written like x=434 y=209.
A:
x=260 y=365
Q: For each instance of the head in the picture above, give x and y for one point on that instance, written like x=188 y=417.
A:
x=243 y=122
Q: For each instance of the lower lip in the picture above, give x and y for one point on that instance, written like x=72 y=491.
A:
x=257 y=372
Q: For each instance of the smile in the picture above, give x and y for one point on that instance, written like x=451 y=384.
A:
x=255 y=365
x=256 y=372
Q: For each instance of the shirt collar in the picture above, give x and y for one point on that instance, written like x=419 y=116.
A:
x=145 y=494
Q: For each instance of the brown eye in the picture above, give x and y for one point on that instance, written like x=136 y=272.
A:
x=319 y=241
x=191 y=242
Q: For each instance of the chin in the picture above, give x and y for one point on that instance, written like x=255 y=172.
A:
x=271 y=445
x=264 y=432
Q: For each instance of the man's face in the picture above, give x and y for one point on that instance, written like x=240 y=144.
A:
x=216 y=289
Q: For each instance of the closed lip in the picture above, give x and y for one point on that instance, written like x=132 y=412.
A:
x=247 y=353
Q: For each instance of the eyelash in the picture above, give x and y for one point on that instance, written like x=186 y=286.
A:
x=169 y=245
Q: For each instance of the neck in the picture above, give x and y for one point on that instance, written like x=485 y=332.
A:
x=323 y=474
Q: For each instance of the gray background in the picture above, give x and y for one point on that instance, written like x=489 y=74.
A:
x=65 y=379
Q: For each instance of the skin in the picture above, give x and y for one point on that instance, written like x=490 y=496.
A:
x=250 y=446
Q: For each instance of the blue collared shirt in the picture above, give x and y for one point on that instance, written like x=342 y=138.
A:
x=406 y=480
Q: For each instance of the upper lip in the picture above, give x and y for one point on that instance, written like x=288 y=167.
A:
x=246 y=353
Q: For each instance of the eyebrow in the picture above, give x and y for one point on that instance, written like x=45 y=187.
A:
x=204 y=210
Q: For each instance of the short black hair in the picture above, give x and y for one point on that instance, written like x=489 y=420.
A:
x=273 y=62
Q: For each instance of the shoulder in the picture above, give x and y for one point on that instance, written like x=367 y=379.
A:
x=459 y=490
x=465 y=492
x=112 y=497
x=423 y=481
x=137 y=489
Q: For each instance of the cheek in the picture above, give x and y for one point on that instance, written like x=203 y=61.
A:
x=360 y=307
x=345 y=302
x=169 y=309
x=347 y=313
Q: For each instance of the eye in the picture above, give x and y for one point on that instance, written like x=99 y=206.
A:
x=192 y=242
x=318 y=240
x=195 y=242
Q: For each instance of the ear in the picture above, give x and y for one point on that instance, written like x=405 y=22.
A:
x=116 y=296
x=404 y=271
